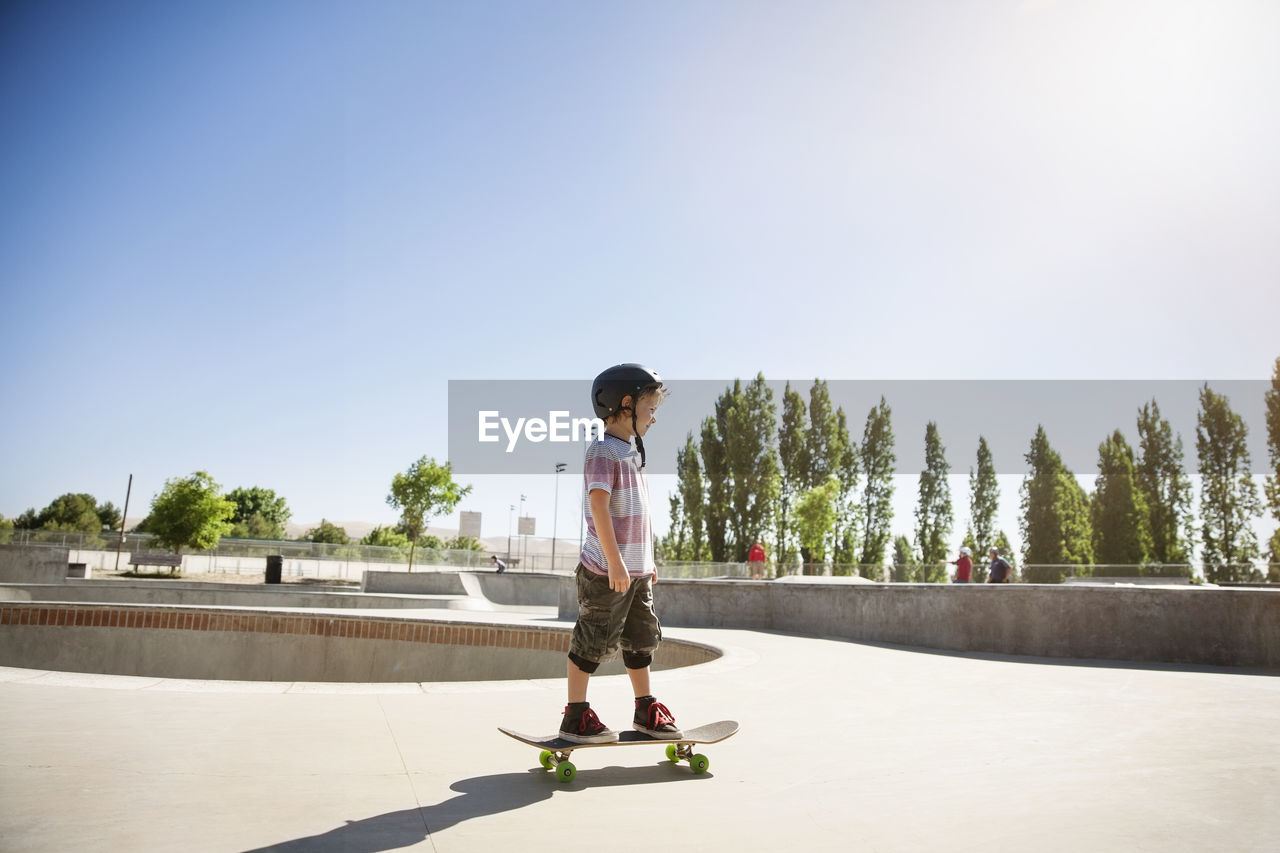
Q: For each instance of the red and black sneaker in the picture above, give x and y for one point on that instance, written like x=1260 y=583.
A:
x=653 y=718
x=581 y=725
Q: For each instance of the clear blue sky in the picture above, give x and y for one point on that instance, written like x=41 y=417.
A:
x=259 y=238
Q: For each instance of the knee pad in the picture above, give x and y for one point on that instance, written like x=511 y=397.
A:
x=587 y=666
x=636 y=660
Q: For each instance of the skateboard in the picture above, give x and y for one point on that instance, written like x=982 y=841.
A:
x=556 y=750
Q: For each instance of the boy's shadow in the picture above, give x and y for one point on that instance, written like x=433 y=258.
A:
x=477 y=797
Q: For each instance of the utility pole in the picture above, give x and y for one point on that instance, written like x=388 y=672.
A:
x=123 y=518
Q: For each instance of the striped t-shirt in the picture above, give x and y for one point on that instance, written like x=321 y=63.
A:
x=614 y=466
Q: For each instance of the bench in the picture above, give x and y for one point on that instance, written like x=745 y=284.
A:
x=156 y=558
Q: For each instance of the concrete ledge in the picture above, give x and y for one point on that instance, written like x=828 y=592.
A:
x=225 y=595
x=413 y=583
x=29 y=564
x=1205 y=626
x=509 y=589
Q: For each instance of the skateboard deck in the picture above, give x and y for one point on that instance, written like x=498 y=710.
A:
x=556 y=750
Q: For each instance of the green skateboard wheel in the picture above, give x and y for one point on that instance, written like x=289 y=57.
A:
x=672 y=753
x=545 y=759
x=565 y=771
x=699 y=763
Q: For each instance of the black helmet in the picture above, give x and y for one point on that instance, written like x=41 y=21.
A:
x=620 y=381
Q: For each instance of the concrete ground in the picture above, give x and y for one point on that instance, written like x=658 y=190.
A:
x=843 y=746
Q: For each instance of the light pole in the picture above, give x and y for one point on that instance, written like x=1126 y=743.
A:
x=513 y=509
x=555 y=514
x=523 y=539
x=582 y=510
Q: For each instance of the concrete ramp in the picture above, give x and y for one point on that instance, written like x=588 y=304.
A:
x=475 y=595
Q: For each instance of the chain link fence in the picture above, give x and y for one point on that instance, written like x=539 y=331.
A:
x=323 y=560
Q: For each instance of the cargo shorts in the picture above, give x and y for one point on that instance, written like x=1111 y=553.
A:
x=608 y=620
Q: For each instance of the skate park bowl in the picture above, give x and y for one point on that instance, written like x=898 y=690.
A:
x=415 y=631
x=407 y=627
x=239 y=644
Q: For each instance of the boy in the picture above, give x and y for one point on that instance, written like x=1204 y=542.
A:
x=616 y=571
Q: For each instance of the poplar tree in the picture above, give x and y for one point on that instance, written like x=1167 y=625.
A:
x=905 y=567
x=822 y=452
x=687 y=534
x=793 y=468
x=750 y=423
x=1164 y=486
x=1272 y=484
x=1120 y=534
x=877 y=464
x=848 y=511
x=984 y=499
x=1228 y=495
x=822 y=440
x=717 y=506
x=1055 y=515
x=933 y=511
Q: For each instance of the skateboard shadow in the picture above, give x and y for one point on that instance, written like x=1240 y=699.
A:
x=480 y=796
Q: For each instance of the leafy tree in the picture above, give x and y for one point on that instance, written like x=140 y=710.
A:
x=385 y=537
x=463 y=543
x=71 y=512
x=933 y=510
x=984 y=499
x=1055 y=515
x=1164 y=486
x=109 y=517
x=906 y=565
x=1228 y=495
x=425 y=489
x=715 y=464
x=260 y=514
x=27 y=520
x=190 y=513
x=877 y=462
x=793 y=467
x=1272 y=484
x=1120 y=534
x=815 y=514
x=6 y=530
x=327 y=533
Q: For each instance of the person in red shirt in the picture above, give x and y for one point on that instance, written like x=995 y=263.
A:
x=964 y=566
x=756 y=558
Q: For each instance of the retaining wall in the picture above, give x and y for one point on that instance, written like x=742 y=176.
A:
x=1206 y=626
x=28 y=564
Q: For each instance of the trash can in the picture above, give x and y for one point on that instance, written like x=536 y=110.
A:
x=275 y=567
